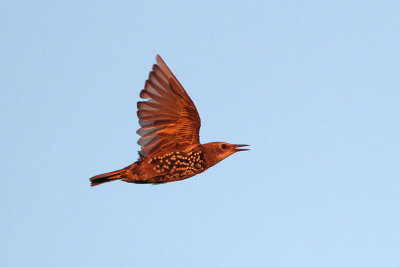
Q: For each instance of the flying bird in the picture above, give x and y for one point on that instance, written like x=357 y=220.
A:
x=170 y=126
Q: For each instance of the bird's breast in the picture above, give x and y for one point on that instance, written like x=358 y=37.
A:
x=178 y=165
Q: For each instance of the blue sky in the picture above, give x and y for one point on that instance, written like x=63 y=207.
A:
x=312 y=86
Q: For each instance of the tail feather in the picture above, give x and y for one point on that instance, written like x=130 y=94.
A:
x=106 y=177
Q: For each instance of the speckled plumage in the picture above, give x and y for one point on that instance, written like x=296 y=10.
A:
x=170 y=126
x=179 y=164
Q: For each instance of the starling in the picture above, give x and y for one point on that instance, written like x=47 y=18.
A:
x=170 y=145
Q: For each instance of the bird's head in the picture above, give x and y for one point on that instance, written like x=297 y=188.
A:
x=217 y=151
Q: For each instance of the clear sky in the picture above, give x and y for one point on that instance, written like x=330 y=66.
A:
x=312 y=86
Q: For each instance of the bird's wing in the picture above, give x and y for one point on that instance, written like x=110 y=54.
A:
x=169 y=118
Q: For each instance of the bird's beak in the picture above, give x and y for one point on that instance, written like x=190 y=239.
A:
x=237 y=149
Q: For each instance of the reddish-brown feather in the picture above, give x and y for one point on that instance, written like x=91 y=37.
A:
x=169 y=118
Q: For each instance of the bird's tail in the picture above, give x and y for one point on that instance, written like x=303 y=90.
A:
x=106 y=177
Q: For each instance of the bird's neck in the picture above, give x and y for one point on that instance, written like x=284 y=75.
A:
x=210 y=155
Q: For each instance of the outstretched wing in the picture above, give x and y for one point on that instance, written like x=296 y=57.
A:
x=169 y=118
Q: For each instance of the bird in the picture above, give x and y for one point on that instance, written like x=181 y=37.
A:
x=169 y=135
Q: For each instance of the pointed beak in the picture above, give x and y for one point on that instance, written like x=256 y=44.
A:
x=237 y=149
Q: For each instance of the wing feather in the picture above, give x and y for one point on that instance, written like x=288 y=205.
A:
x=168 y=119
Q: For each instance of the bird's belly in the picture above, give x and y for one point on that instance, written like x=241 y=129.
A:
x=175 y=166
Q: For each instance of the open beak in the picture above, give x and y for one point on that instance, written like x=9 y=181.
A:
x=237 y=149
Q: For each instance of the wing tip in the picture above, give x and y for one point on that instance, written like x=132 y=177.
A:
x=159 y=58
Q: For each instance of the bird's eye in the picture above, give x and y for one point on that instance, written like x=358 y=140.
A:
x=223 y=146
